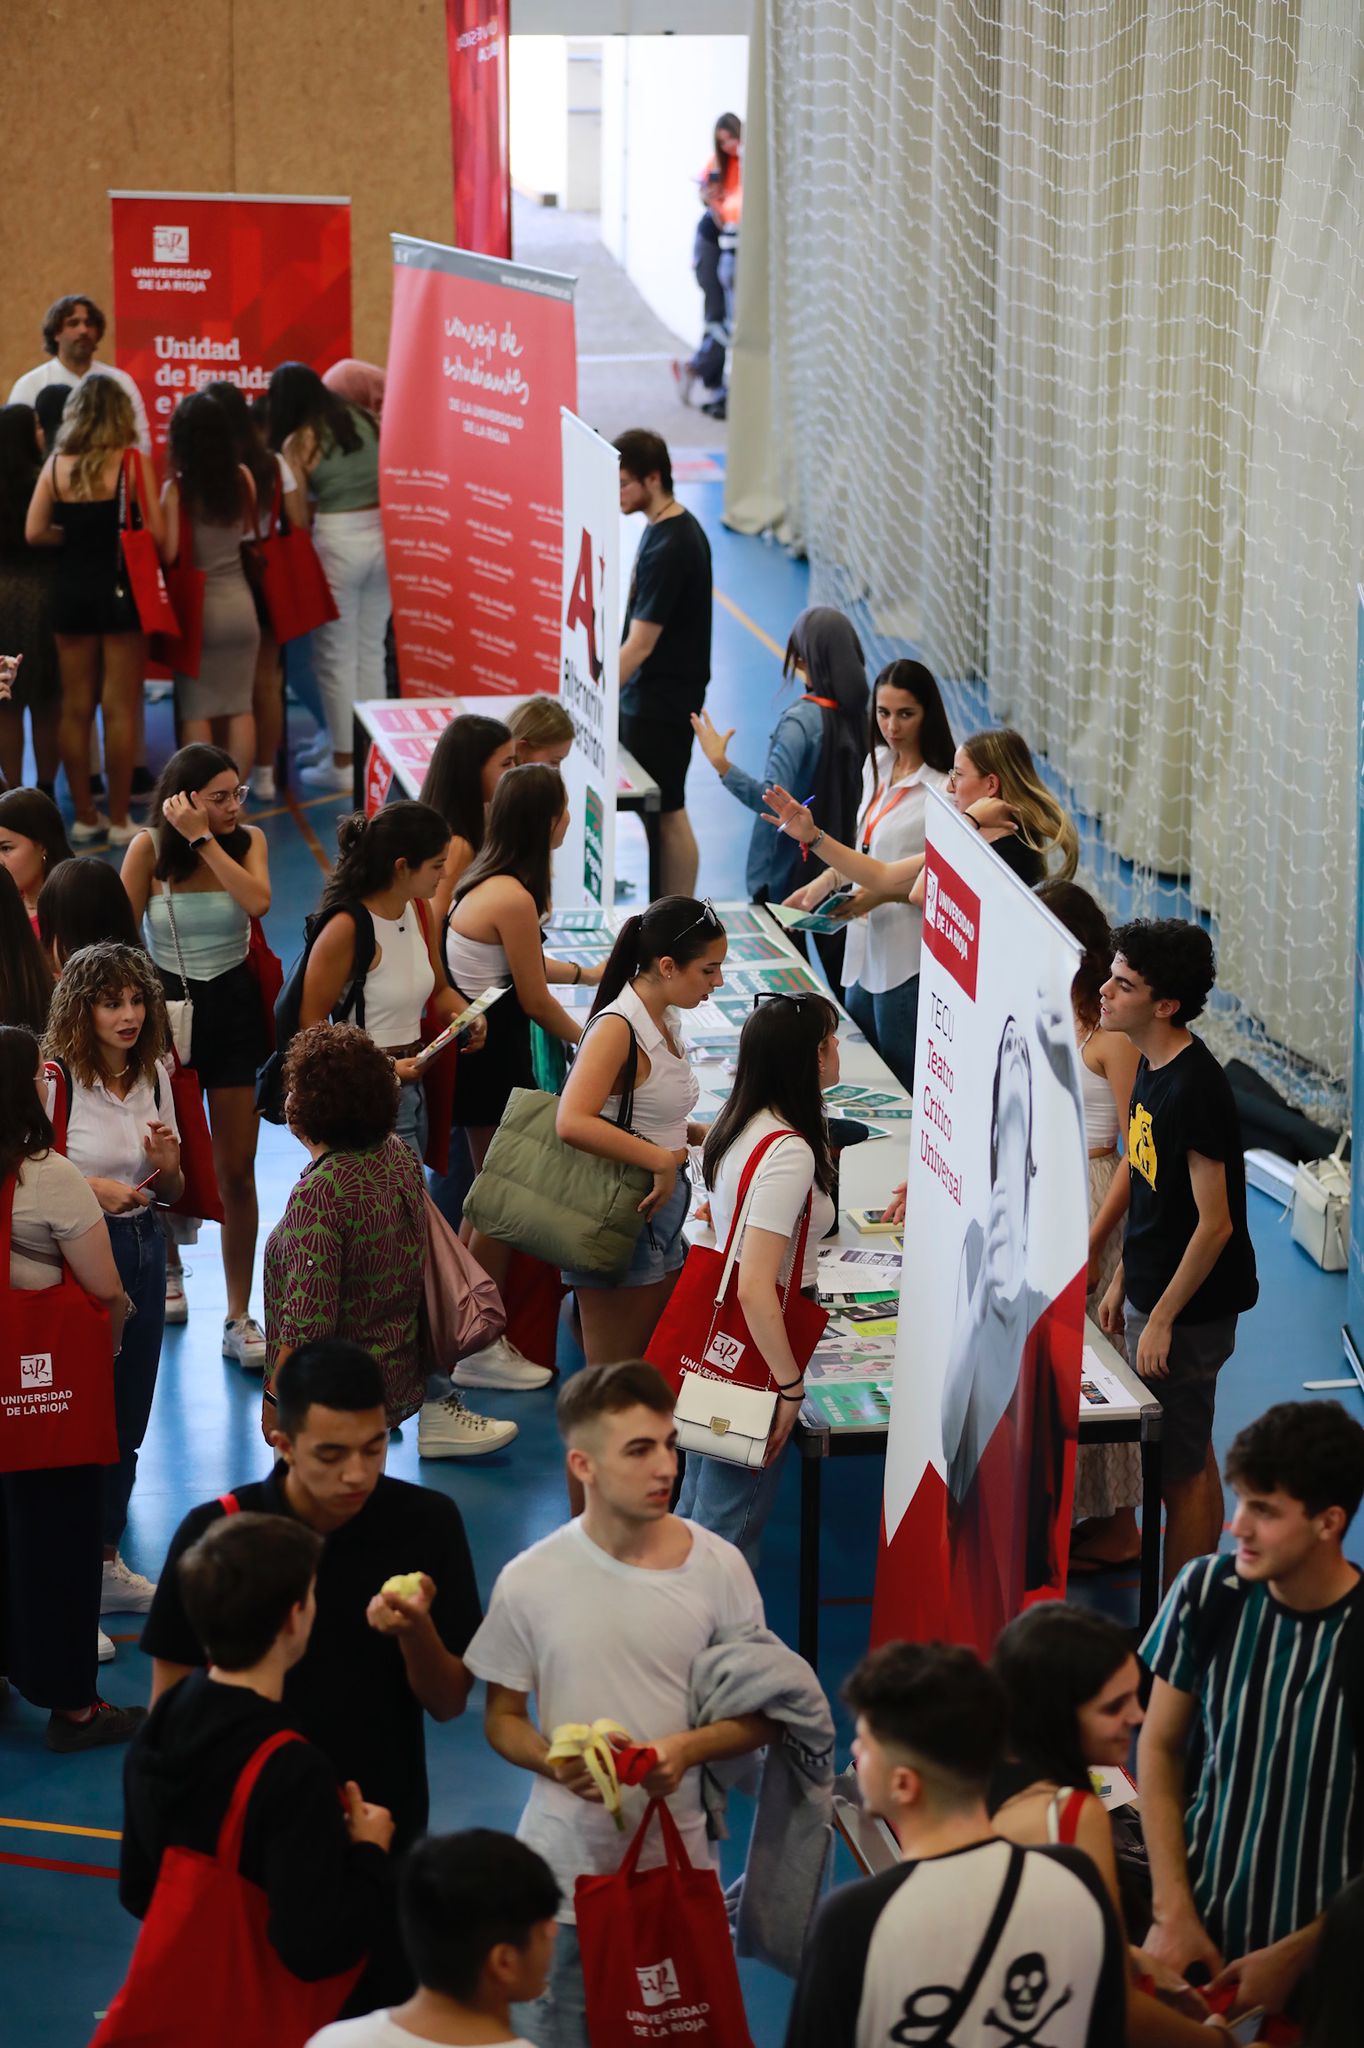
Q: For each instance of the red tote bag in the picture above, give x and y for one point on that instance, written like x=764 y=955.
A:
x=703 y=1329
x=267 y=970
x=183 y=651
x=203 y=1973
x=56 y=1370
x=141 y=561
x=201 y=1197
x=658 y=1961
x=293 y=583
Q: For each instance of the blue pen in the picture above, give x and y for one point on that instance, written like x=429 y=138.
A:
x=805 y=805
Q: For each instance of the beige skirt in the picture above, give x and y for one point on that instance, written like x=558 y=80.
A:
x=1107 y=1476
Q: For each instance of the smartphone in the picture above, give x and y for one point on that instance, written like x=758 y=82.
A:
x=1247 y=2028
x=871 y=1222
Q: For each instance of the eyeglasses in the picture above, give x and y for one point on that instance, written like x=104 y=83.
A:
x=707 y=917
x=219 y=797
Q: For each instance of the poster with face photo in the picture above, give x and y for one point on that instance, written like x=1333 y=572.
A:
x=985 y=1405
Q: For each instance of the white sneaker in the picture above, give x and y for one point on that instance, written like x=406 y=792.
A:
x=244 y=1341
x=324 y=774
x=104 y=1652
x=447 y=1429
x=124 y=1591
x=263 y=785
x=500 y=1364
x=315 y=749
x=123 y=835
x=85 y=835
x=177 y=1308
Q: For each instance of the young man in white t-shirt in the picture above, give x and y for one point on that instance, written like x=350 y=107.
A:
x=477 y=1914
x=604 y=1619
x=73 y=328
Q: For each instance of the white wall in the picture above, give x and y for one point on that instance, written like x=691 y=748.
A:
x=538 y=89
x=660 y=99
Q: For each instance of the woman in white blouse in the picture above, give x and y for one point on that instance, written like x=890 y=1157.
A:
x=910 y=752
x=788 y=1056
x=109 y=1099
x=665 y=961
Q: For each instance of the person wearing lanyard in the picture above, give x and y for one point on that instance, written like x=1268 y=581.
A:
x=910 y=752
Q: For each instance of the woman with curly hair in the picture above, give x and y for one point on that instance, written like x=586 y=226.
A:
x=210 y=504
x=109 y=1100
x=198 y=876
x=346 y=1257
x=76 y=507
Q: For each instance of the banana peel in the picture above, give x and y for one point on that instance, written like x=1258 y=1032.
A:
x=611 y=1755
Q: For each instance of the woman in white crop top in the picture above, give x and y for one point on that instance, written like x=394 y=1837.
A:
x=788 y=1056
x=389 y=865
x=1107 y=1476
x=669 y=959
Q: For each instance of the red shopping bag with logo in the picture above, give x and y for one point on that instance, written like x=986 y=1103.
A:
x=703 y=1332
x=141 y=561
x=56 y=1370
x=293 y=582
x=658 y=1961
x=204 y=1970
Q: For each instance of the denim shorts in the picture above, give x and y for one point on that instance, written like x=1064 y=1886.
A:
x=660 y=1248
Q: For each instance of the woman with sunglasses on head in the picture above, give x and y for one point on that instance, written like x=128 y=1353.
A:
x=107 y=1037
x=788 y=1056
x=198 y=876
x=667 y=960
x=469 y=760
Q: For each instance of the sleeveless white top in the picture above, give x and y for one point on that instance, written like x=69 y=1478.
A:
x=397 y=986
x=663 y=1103
x=1101 y=1112
x=475 y=964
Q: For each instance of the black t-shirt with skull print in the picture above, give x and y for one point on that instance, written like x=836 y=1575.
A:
x=992 y=1946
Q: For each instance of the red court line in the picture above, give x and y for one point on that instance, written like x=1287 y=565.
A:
x=54 y=1863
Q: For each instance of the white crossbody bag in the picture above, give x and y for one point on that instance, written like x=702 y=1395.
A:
x=179 y=1010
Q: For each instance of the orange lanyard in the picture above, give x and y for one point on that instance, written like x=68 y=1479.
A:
x=824 y=703
x=874 y=817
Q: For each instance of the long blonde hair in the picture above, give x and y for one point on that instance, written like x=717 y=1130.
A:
x=98 y=422
x=540 y=722
x=1042 y=824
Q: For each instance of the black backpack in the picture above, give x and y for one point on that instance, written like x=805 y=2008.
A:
x=289 y=1003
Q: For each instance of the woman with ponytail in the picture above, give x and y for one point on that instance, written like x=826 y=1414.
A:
x=667 y=960
x=388 y=866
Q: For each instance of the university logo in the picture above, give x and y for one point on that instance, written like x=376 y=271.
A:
x=951 y=921
x=931 y=900
x=1141 y=1144
x=658 y=1983
x=35 y=1369
x=724 y=1351
x=170 y=245
x=582 y=605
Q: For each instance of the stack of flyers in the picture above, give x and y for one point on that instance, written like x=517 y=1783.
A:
x=864 y=1102
x=851 y=1271
x=854 y=1406
x=587 y=919
x=874 y=1315
x=754 y=946
x=742 y=917
x=779 y=980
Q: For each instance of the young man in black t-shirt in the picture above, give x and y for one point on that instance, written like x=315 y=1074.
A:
x=665 y=654
x=971 y=1940
x=377 y=1663
x=1188 y=1265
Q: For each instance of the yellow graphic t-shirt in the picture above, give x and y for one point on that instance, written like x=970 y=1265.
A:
x=1141 y=1143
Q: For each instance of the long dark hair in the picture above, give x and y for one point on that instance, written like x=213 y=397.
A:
x=25 y=977
x=297 y=397
x=675 y=928
x=25 y=1132
x=527 y=804
x=206 y=461
x=836 y=670
x=1333 y=1989
x=80 y=903
x=778 y=1069
x=1082 y=917
x=1050 y=1661
x=453 y=783
x=252 y=452
x=192 y=769
x=20 y=462
x=369 y=849
x=33 y=815
x=936 y=743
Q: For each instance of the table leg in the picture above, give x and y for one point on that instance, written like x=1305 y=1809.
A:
x=359 y=754
x=652 y=837
x=807 y=1626
x=1151 y=1467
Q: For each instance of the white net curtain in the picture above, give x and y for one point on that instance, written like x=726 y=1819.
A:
x=1060 y=331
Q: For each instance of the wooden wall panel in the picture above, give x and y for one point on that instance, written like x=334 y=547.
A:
x=224 y=95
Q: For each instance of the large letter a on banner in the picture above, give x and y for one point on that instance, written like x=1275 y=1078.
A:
x=581 y=610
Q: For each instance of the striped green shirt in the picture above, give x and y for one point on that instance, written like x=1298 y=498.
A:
x=1276 y=1824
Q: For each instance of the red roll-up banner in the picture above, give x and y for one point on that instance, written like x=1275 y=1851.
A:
x=481 y=358
x=476 y=36
x=226 y=285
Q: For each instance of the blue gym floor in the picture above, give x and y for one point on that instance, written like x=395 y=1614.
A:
x=64 y=1941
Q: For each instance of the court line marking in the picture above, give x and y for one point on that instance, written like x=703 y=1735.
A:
x=55 y=1863
x=292 y=803
x=754 y=628
x=58 y=1827
x=310 y=838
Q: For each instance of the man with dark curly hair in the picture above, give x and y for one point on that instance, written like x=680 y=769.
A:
x=73 y=328
x=1188 y=1265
